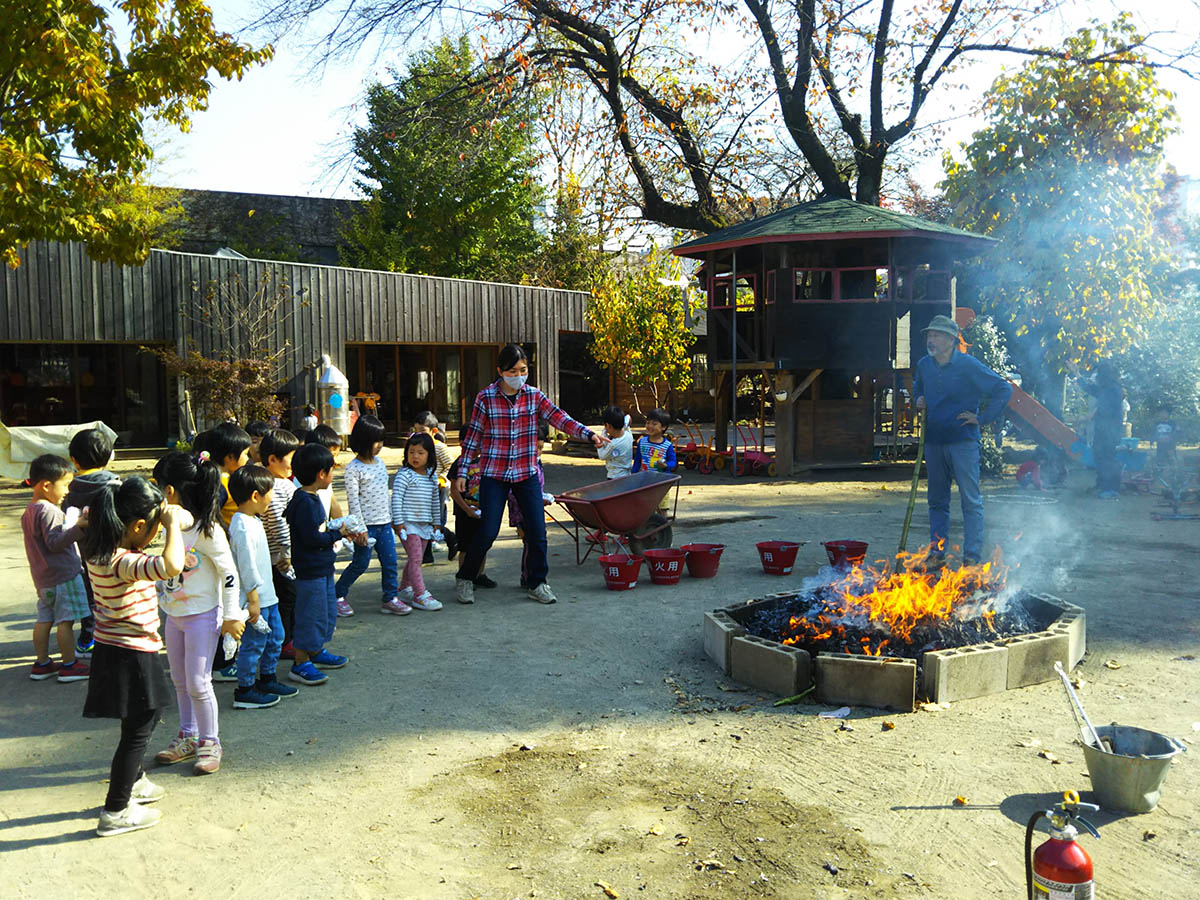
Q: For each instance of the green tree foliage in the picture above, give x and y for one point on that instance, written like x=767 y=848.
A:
x=571 y=257
x=73 y=109
x=638 y=326
x=1066 y=174
x=449 y=174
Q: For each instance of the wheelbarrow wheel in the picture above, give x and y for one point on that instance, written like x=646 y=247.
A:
x=656 y=541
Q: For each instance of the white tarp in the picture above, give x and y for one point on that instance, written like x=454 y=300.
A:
x=21 y=445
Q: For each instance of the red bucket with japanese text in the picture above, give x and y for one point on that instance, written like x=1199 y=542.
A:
x=846 y=553
x=665 y=565
x=778 y=557
x=620 y=571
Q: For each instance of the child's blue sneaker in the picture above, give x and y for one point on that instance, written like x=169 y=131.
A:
x=327 y=660
x=269 y=684
x=84 y=648
x=252 y=698
x=307 y=673
x=229 y=673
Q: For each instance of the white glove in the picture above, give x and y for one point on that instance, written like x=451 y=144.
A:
x=403 y=533
x=229 y=644
x=437 y=534
x=260 y=625
x=547 y=499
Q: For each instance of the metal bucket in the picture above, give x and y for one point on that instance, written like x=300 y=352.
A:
x=1131 y=777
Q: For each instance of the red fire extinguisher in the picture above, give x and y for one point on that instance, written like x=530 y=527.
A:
x=1060 y=869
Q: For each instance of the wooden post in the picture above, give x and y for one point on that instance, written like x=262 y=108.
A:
x=721 y=412
x=785 y=425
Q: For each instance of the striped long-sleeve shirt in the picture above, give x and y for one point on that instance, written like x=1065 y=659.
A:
x=415 y=498
x=126 y=601
x=279 y=538
x=504 y=431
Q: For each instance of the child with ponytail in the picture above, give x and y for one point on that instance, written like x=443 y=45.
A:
x=202 y=602
x=127 y=681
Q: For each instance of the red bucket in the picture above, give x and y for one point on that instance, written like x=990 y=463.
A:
x=620 y=571
x=702 y=559
x=846 y=553
x=665 y=565
x=778 y=557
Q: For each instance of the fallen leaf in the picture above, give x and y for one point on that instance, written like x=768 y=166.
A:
x=889 y=726
x=608 y=890
x=1032 y=742
x=710 y=864
x=726 y=687
x=654 y=829
x=1046 y=754
x=1187 y=657
x=1111 y=664
x=311 y=740
x=682 y=840
x=1148 y=835
x=960 y=800
x=513 y=866
x=1078 y=682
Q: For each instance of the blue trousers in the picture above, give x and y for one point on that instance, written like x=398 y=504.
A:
x=316 y=613
x=958 y=462
x=493 y=499
x=385 y=549
x=259 y=653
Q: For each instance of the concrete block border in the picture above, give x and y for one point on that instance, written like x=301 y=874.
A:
x=940 y=676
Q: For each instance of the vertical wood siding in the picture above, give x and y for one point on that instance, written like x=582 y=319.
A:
x=60 y=295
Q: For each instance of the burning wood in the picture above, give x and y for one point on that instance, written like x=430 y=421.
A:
x=902 y=614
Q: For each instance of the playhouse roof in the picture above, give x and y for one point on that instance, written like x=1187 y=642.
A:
x=829 y=218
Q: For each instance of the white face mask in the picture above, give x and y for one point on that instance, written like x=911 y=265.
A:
x=515 y=381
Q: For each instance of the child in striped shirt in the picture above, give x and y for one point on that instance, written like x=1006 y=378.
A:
x=366 y=479
x=127 y=680
x=416 y=517
x=276 y=451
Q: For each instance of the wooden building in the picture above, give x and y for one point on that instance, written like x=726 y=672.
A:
x=71 y=333
x=825 y=300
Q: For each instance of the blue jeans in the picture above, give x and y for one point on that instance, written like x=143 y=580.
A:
x=259 y=653
x=960 y=462
x=316 y=613
x=493 y=499
x=385 y=549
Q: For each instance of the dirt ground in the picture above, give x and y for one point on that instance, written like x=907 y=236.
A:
x=510 y=750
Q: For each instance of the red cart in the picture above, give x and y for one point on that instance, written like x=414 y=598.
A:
x=623 y=510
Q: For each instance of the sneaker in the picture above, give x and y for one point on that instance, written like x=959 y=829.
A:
x=229 y=673
x=145 y=791
x=42 y=671
x=327 y=660
x=252 y=698
x=287 y=651
x=307 y=673
x=395 y=607
x=84 y=649
x=344 y=608
x=132 y=818
x=182 y=746
x=426 y=602
x=76 y=671
x=208 y=757
x=484 y=582
x=542 y=594
x=464 y=590
x=268 y=684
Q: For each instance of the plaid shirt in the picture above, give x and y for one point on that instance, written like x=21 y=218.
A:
x=503 y=432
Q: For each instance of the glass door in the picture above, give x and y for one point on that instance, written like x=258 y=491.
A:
x=449 y=386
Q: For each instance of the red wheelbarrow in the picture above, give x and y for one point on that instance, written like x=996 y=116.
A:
x=623 y=510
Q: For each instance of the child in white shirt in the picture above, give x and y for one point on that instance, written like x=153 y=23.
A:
x=618 y=452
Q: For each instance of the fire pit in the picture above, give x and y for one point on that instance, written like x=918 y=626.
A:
x=874 y=638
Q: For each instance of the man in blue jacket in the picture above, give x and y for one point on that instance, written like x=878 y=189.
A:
x=950 y=386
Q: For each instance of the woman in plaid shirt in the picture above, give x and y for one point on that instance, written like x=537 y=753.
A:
x=503 y=435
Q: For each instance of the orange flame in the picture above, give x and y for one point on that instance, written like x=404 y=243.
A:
x=893 y=603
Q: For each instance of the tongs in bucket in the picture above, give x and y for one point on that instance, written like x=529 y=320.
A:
x=1087 y=729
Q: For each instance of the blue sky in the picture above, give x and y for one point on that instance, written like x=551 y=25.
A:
x=283 y=126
